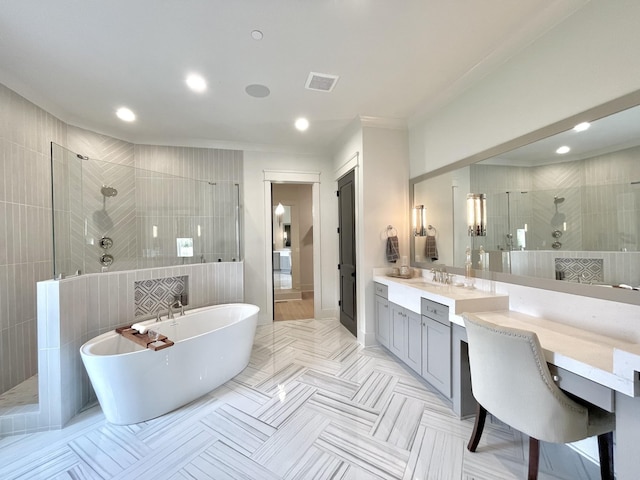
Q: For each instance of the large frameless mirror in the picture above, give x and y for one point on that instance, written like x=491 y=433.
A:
x=568 y=214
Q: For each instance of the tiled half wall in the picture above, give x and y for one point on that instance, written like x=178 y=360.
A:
x=74 y=310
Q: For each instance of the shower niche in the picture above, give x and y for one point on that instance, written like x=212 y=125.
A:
x=114 y=217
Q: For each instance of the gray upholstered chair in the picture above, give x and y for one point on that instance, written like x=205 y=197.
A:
x=510 y=379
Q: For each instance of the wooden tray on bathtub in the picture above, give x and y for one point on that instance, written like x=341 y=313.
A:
x=143 y=339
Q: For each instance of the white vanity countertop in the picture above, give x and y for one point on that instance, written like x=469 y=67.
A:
x=609 y=361
x=605 y=360
x=407 y=293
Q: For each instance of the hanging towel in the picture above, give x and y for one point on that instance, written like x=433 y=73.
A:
x=392 y=249
x=430 y=248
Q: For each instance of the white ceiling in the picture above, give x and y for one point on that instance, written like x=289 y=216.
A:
x=80 y=60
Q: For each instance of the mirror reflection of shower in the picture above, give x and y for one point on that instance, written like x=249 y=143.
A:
x=558 y=223
x=520 y=242
x=558 y=218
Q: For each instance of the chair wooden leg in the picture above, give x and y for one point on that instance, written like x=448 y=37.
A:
x=481 y=416
x=605 y=449
x=534 y=458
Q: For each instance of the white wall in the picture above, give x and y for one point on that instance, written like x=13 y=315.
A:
x=257 y=265
x=589 y=59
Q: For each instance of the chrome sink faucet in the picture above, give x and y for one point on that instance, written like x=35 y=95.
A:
x=440 y=275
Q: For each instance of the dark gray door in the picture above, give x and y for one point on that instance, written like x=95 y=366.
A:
x=347 y=266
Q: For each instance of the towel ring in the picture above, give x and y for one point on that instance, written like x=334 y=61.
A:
x=391 y=232
x=431 y=227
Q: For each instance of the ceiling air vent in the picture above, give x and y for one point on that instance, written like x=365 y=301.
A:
x=322 y=82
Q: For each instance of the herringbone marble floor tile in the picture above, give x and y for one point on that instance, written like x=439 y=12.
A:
x=311 y=405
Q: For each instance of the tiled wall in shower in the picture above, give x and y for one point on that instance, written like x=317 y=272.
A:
x=25 y=228
x=169 y=208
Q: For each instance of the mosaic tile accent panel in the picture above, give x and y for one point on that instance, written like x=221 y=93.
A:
x=154 y=295
x=584 y=270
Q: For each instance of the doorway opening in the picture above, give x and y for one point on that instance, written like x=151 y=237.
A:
x=292 y=251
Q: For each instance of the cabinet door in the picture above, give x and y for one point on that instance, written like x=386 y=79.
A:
x=398 y=340
x=383 y=332
x=436 y=355
x=414 y=341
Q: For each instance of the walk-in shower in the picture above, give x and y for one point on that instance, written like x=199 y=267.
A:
x=143 y=214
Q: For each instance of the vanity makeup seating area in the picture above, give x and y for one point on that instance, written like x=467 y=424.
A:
x=421 y=323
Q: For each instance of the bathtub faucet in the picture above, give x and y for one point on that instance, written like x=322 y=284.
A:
x=176 y=304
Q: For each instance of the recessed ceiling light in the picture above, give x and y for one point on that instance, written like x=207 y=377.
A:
x=562 y=150
x=125 y=114
x=196 y=83
x=302 y=124
x=257 y=91
x=581 y=127
x=256 y=35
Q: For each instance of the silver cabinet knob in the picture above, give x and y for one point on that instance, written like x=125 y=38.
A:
x=556 y=378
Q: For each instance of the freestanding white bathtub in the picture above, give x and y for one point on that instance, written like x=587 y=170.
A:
x=134 y=384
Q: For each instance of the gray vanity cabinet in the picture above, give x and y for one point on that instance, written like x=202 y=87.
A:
x=398 y=330
x=406 y=341
x=436 y=346
x=383 y=322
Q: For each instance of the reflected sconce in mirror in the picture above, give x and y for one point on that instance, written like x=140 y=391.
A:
x=419 y=221
x=477 y=214
x=279 y=211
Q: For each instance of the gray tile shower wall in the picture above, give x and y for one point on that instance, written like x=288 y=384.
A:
x=204 y=210
x=74 y=310
x=25 y=228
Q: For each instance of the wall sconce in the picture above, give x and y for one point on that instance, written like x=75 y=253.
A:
x=477 y=214
x=419 y=221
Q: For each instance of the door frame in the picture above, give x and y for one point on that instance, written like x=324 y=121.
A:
x=284 y=176
x=346 y=261
x=353 y=163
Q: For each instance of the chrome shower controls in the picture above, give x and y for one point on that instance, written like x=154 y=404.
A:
x=105 y=243
x=106 y=259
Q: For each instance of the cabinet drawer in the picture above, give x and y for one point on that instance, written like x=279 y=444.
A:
x=381 y=289
x=434 y=310
x=584 y=388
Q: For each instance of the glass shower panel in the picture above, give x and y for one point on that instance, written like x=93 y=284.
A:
x=110 y=217
x=66 y=180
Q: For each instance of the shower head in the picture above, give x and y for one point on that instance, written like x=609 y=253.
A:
x=108 y=191
x=557 y=200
